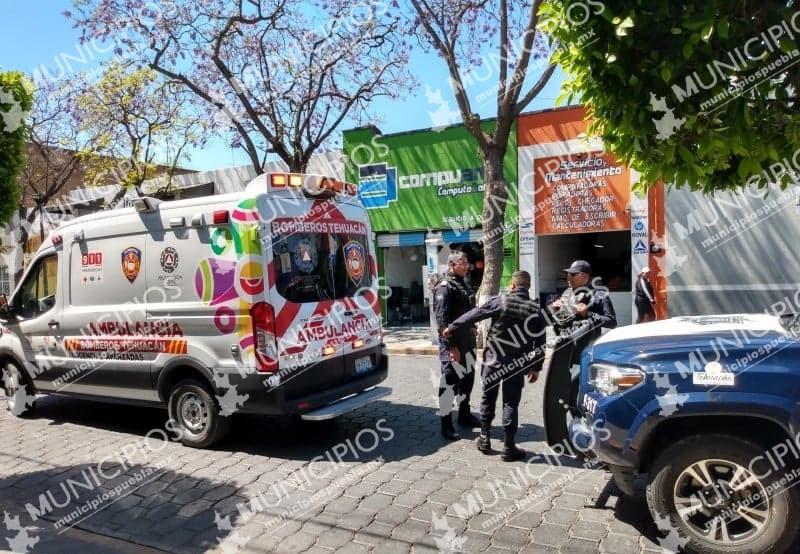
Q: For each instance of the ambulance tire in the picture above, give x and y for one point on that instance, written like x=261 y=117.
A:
x=195 y=415
x=18 y=390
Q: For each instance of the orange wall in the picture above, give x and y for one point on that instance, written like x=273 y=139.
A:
x=569 y=124
x=550 y=126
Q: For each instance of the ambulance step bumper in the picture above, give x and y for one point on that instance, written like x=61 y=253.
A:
x=347 y=404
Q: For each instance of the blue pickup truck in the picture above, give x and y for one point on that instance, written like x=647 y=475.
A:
x=708 y=409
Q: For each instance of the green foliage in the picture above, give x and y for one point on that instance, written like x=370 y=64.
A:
x=656 y=78
x=136 y=121
x=16 y=97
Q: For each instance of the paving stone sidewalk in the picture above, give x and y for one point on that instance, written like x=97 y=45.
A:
x=278 y=485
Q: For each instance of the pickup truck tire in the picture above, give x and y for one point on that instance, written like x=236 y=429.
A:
x=18 y=390
x=715 y=478
x=195 y=416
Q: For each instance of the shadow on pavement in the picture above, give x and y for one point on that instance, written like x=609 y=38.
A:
x=629 y=510
x=146 y=504
x=415 y=429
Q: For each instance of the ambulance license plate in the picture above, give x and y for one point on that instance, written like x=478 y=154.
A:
x=363 y=365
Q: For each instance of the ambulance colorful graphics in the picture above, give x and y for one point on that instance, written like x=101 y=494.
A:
x=262 y=302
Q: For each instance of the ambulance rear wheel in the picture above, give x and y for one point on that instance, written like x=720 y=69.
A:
x=18 y=391
x=195 y=415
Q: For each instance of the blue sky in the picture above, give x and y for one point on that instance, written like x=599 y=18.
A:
x=34 y=33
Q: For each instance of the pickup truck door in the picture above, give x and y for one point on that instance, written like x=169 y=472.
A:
x=558 y=392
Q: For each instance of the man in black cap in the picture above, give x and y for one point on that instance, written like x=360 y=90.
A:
x=578 y=318
x=514 y=348
x=453 y=297
x=582 y=306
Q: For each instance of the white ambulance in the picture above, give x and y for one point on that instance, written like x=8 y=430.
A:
x=262 y=302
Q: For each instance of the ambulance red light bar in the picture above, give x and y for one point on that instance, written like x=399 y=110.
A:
x=220 y=217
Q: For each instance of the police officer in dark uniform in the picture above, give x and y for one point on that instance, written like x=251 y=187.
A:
x=582 y=308
x=453 y=297
x=514 y=348
x=579 y=316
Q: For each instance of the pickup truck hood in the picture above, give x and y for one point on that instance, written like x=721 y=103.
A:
x=691 y=325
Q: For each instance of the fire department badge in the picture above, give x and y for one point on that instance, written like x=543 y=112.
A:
x=131 y=263
x=354 y=261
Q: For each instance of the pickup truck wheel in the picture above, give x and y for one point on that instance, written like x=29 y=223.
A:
x=717 y=494
x=19 y=393
x=195 y=415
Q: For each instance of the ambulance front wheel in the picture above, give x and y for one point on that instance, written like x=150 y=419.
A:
x=18 y=390
x=195 y=415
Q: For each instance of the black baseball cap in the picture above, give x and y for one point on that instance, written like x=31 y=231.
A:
x=579 y=266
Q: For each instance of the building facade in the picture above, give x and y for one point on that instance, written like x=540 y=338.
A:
x=570 y=199
x=424 y=193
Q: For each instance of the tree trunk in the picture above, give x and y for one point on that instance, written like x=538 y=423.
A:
x=26 y=219
x=494 y=212
x=118 y=196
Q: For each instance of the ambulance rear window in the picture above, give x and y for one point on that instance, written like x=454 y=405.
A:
x=310 y=267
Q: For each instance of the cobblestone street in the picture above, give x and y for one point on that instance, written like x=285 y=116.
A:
x=279 y=486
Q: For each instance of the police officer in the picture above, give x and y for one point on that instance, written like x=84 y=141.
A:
x=514 y=348
x=452 y=298
x=578 y=317
x=582 y=307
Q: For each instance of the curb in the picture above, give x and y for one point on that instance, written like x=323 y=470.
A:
x=412 y=350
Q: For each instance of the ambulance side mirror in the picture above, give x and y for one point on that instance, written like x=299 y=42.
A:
x=6 y=309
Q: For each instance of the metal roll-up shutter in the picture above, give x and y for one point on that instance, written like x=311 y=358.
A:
x=467 y=235
x=387 y=240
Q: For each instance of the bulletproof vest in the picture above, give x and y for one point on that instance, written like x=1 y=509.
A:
x=569 y=325
x=516 y=309
x=461 y=302
x=510 y=333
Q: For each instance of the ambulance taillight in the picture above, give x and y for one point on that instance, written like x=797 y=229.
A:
x=264 y=339
x=220 y=217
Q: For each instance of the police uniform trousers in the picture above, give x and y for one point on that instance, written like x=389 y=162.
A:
x=458 y=378
x=511 y=385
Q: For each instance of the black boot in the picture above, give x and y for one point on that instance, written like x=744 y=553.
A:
x=448 y=431
x=465 y=417
x=484 y=440
x=510 y=451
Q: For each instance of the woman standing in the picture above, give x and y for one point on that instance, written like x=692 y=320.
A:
x=644 y=297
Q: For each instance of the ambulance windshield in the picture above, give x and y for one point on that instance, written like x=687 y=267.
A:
x=310 y=267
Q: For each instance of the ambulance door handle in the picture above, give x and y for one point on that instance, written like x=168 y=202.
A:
x=53 y=324
x=349 y=313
